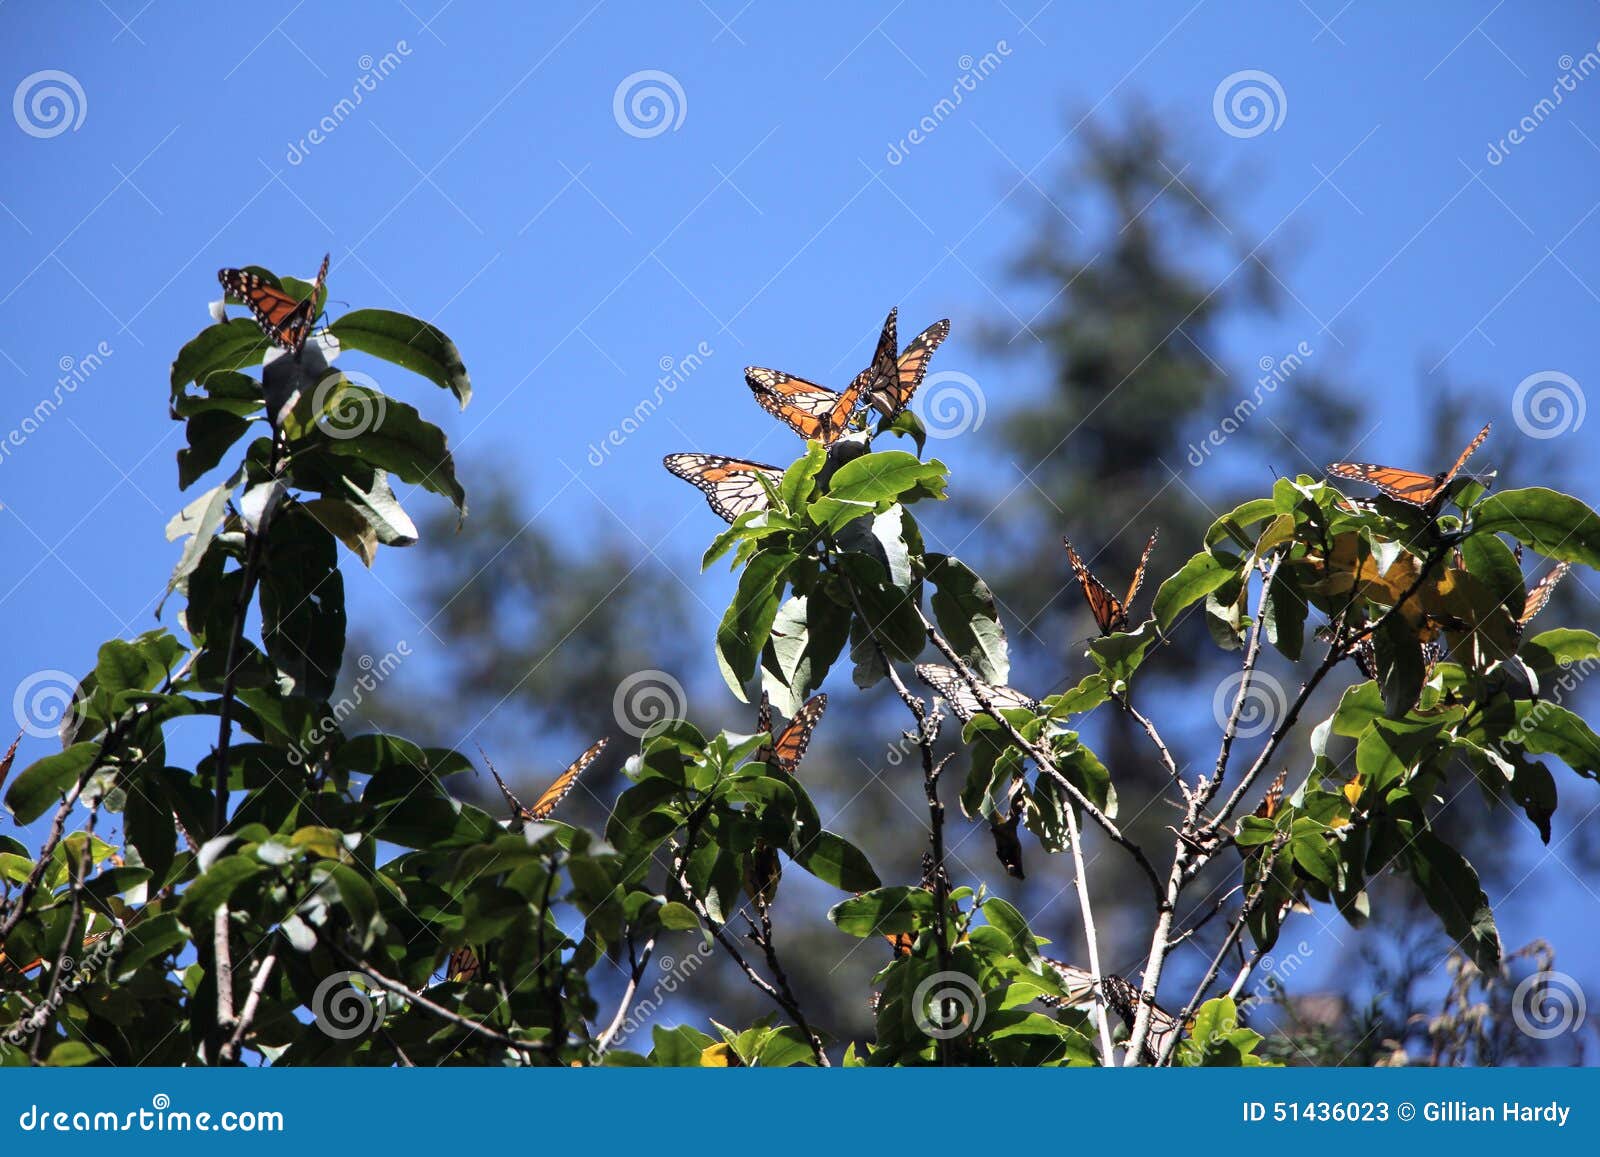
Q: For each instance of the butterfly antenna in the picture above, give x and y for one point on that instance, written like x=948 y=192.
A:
x=516 y=805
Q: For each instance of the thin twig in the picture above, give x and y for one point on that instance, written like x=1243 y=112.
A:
x=252 y=1001
x=637 y=963
x=394 y=986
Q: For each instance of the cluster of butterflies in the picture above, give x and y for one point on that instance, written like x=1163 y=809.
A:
x=733 y=486
x=287 y=321
x=1427 y=493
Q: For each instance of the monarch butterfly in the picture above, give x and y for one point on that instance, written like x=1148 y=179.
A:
x=1271 y=802
x=1121 y=997
x=464 y=962
x=732 y=486
x=1539 y=593
x=815 y=411
x=890 y=392
x=1007 y=844
x=789 y=748
x=284 y=319
x=552 y=795
x=762 y=870
x=1414 y=489
x=904 y=942
x=951 y=686
x=1110 y=613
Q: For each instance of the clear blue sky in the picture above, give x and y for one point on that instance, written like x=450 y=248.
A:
x=485 y=183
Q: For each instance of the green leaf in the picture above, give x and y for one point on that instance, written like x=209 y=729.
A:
x=748 y=620
x=886 y=476
x=884 y=910
x=1491 y=562
x=217 y=349
x=966 y=612
x=302 y=603
x=210 y=436
x=392 y=436
x=407 y=342
x=213 y=888
x=1236 y=523
x=1556 y=525
x=1197 y=578
x=1545 y=728
x=799 y=480
x=1451 y=888
x=43 y=784
x=200 y=521
x=835 y=860
x=233 y=393
x=678 y=917
x=1552 y=654
x=807 y=636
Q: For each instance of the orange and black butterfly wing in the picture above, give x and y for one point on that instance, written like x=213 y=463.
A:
x=557 y=791
x=1472 y=448
x=1138 y=574
x=284 y=319
x=1539 y=594
x=790 y=747
x=1106 y=608
x=1406 y=486
x=463 y=964
x=803 y=406
x=1268 y=807
x=731 y=486
x=910 y=368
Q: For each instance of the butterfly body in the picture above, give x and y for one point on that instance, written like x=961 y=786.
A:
x=287 y=321
x=1110 y=613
